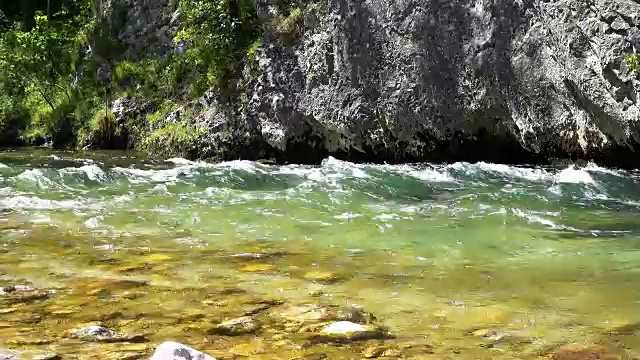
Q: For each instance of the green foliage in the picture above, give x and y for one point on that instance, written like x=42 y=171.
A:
x=174 y=139
x=101 y=129
x=633 y=62
x=41 y=72
x=14 y=119
x=217 y=35
x=165 y=108
x=289 y=27
x=253 y=49
x=51 y=90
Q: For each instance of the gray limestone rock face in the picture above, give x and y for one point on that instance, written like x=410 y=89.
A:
x=145 y=27
x=414 y=80
x=420 y=80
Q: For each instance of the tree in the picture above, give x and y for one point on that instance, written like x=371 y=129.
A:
x=217 y=33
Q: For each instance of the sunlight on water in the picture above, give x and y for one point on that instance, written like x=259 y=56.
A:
x=447 y=253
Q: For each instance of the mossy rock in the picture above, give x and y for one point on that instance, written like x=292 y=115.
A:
x=239 y=326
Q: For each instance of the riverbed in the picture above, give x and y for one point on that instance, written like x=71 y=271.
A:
x=455 y=261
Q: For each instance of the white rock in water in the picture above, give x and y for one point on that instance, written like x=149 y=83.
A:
x=171 y=350
x=343 y=328
x=352 y=331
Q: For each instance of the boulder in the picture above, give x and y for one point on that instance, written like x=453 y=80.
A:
x=170 y=350
x=346 y=330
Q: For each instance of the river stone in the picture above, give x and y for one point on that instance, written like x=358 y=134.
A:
x=314 y=313
x=238 y=326
x=97 y=333
x=584 y=352
x=323 y=277
x=9 y=355
x=22 y=294
x=170 y=350
x=373 y=351
x=346 y=330
x=258 y=268
x=47 y=356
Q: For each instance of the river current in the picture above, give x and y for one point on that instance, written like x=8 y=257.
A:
x=469 y=261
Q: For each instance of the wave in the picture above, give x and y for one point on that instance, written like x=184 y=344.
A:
x=23 y=202
x=539 y=218
x=382 y=193
x=35 y=179
x=571 y=175
x=531 y=174
x=91 y=172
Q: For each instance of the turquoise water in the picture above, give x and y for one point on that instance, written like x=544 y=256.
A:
x=544 y=255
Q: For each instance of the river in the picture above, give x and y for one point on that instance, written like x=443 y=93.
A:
x=460 y=261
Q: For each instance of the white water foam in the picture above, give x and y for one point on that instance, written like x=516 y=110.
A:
x=345 y=167
x=537 y=217
x=35 y=203
x=432 y=175
x=185 y=162
x=595 y=168
x=141 y=176
x=244 y=165
x=571 y=175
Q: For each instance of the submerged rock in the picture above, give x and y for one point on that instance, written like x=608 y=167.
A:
x=175 y=351
x=324 y=277
x=16 y=294
x=9 y=354
x=6 y=354
x=373 y=351
x=585 y=352
x=254 y=307
x=97 y=333
x=47 y=356
x=238 y=326
x=346 y=330
x=258 y=268
x=313 y=313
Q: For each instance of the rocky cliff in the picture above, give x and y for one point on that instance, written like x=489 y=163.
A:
x=414 y=80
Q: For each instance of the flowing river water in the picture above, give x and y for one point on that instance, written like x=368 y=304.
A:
x=457 y=261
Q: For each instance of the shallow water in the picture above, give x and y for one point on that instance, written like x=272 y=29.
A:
x=438 y=253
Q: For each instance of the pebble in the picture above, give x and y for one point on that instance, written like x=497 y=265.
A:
x=170 y=350
x=489 y=334
x=373 y=351
x=238 y=326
